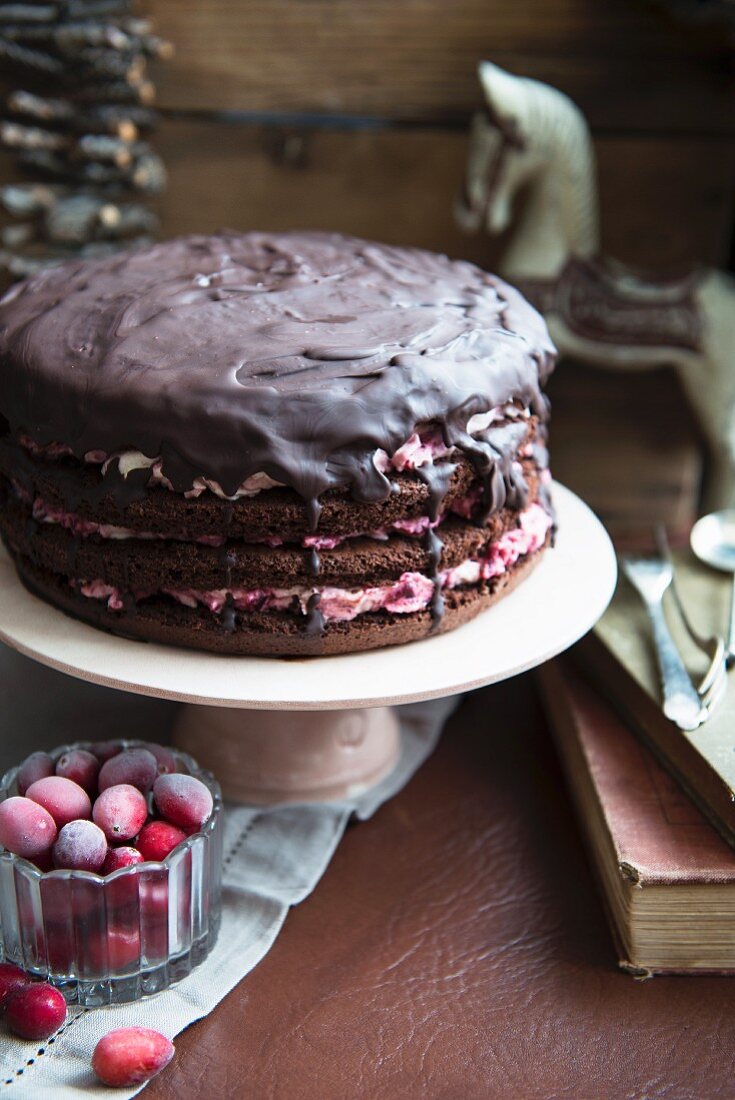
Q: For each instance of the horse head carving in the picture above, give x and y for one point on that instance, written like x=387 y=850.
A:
x=532 y=140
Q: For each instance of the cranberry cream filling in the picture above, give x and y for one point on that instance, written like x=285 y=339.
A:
x=410 y=593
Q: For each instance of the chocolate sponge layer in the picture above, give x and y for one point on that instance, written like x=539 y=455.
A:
x=272 y=634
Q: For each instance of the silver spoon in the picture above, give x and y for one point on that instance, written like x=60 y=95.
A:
x=713 y=541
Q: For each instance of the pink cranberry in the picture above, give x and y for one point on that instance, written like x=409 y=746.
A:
x=136 y=767
x=120 y=857
x=120 y=812
x=81 y=767
x=12 y=978
x=38 y=765
x=80 y=846
x=182 y=799
x=158 y=838
x=131 y=1055
x=105 y=750
x=65 y=801
x=35 y=1011
x=26 y=829
x=165 y=759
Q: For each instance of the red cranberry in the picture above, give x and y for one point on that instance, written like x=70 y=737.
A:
x=81 y=767
x=26 y=829
x=35 y=1011
x=80 y=846
x=65 y=801
x=105 y=750
x=38 y=765
x=120 y=857
x=182 y=799
x=120 y=812
x=131 y=1055
x=165 y=759
x=158 y=838
x=136 y=767
x=12 y=978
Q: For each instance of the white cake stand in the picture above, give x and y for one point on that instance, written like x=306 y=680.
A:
x=238 y=721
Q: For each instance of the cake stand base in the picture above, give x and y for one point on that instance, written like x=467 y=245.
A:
x=270 y=756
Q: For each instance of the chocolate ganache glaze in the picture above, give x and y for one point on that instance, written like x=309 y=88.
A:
x=297 y=355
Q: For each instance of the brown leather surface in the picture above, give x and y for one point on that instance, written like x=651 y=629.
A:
x=456 y=948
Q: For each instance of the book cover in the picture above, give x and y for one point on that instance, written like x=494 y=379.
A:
x=667 y=876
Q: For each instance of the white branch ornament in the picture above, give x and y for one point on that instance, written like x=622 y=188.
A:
x=533 y=137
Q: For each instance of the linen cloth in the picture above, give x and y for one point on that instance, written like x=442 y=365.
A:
x=274 y=858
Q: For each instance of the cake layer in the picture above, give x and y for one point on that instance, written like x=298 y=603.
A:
x=150 y=563
x=80 y=489
x=273 y=633
x=296 y=356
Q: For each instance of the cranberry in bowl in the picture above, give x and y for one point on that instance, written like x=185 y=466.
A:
x=110 y=868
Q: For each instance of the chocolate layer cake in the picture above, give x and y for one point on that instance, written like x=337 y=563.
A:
x=283 y=444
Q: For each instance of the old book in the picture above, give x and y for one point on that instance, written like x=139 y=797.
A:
x=667 y=877
x=618 y=655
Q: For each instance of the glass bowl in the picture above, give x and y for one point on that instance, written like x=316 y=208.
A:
x=115 y=938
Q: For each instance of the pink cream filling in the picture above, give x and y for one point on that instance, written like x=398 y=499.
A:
x=412 y=592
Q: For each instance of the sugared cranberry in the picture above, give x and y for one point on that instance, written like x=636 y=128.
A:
x=158 y=838
x=80 y=846
x=105 y=750
x=35 y=1011
x=165 y=759
x=12 y=978
x=120 y=857
x=81 y=767
x=26 y=828
x=131 y=1055
x=65 y=800
x=182 y=799
x=120 y=812
x=135 y=767
x=38 y=765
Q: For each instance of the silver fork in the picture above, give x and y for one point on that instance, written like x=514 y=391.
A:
x=713 y=685
x=651 y=577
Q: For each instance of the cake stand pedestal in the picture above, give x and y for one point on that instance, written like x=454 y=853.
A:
x=239 y=719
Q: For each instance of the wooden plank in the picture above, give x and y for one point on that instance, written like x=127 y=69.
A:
x=628 y=65
x=665 y=203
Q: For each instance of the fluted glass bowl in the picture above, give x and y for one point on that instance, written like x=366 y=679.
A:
x=115 y=938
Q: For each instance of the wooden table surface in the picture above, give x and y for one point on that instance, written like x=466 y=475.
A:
x=457 y=947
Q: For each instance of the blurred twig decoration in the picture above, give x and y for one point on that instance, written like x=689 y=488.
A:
x=533 y=139
x=77 y=120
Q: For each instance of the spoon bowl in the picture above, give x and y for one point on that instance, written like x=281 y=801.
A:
x=713 y=542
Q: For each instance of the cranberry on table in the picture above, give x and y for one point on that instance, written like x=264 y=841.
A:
x=80 y=846
x=26 y=829
x=65 y=800
x=131 y=1056
x=35 y=1011
x=12 y=978
x=136 y=767
x=182 y=799
x=158 y=839
x=38 y=765
x=120 y=857
x=81 y=767
x=120 y=812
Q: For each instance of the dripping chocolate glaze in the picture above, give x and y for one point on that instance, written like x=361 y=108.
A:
x=296 y=355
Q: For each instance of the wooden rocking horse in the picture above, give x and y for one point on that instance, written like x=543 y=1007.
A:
x=533 y=137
